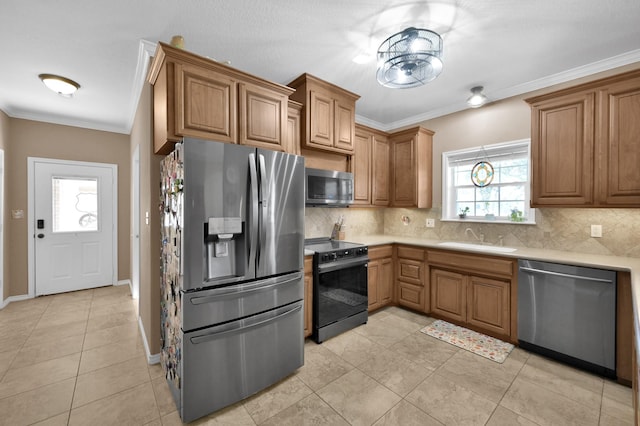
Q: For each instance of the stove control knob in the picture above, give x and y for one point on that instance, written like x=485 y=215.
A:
x=334 y=256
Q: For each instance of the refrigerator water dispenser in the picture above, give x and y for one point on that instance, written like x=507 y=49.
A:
x=221 y=245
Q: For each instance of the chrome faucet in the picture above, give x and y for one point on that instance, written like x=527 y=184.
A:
x=469 y=230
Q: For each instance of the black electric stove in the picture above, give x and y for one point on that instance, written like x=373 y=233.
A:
x=340 y=280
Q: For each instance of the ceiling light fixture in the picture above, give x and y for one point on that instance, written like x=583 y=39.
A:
x=61 y=85
x=477 y=98
x=409 y=58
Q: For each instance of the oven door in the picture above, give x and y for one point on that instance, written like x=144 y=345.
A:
x=340 y=291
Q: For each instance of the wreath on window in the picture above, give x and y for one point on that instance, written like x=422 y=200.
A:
x=482 y=174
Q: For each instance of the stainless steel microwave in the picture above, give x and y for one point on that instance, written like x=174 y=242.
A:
x=328 y=188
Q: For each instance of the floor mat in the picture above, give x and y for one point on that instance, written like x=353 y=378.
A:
x=480 y=344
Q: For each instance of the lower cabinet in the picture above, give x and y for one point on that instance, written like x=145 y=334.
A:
x=380 y=276
x=308 y=295
x=474 y=291
x=410 y=278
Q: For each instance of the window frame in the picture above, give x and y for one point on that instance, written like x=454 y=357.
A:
x=449 y=213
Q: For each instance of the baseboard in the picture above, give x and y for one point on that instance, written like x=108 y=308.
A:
x=151 y=359
x=124 y=282
x=14 y=299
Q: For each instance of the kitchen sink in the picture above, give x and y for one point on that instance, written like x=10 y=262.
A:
x=477 y=247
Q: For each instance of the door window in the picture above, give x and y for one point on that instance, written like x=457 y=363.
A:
x=75 y=204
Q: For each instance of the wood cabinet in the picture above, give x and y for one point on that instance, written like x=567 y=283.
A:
x=308 y=295
x=263 y=117
x=370 y=167
x=476 y=291
x=328 y=122
x=410 y=278
x=380 y=276
x=197 y=97
x=584 y=145
x=293 y=127
x=411 y=168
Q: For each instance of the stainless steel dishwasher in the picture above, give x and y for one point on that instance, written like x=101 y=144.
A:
x=568 y=313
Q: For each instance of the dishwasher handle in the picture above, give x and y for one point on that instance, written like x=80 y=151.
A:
x=563 y=275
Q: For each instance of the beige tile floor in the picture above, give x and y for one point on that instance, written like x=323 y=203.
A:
x=78 y=359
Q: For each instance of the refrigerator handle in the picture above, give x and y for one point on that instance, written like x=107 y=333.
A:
x=243 y=328
x=264 y=195
x=253 y=210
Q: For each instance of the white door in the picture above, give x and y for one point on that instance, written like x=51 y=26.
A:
x=73 y=225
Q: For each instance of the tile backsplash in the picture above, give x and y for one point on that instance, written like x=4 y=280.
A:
x=556 y=228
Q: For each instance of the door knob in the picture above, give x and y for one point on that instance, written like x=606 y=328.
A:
x=40 y=235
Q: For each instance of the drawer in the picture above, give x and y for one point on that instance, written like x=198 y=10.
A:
x=473 y=263
x=410 y=253
x=378 y=252
x=410 y=271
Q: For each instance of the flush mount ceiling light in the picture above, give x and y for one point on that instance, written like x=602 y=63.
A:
x=409 y=58
x=477 y=98
x=61 y=85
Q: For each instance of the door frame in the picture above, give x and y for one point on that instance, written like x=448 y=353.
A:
x=2 y=228
x=31 y=161
x=135 y=208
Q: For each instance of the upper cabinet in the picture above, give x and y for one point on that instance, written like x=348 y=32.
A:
x=411 y=168
x=328 y=120
x=584 y=144
x=197 y=97
x=370 y=167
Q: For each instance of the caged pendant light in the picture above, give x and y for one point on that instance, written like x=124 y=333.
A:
x=409 y=58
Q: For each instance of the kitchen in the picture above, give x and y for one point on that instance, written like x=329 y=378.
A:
x=563 y=229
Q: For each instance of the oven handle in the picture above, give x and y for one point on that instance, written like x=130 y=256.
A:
x=342 y=264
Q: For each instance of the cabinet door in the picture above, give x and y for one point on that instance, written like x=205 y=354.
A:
x=619 y=147
x=206 y=104
x=403 y=172
x=345 y=116
x=263 y=117
x=385 y=281
x=380 y=171
x=373 y=283
x=448 y=295
x=362 y=169
x=293 y=128
x=321 y=117
x=562 y=144
x=489 y=304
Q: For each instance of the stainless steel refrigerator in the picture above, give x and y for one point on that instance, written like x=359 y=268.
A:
x=232 y=272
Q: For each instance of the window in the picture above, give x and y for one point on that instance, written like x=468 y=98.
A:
x=505 y=199
x=75 y=204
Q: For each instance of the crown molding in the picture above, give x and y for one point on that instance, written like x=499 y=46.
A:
x=541 y=83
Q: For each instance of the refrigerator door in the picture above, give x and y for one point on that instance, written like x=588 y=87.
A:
x=217 y=234
x=232 y=361
x=281 y=213
x=221 y=304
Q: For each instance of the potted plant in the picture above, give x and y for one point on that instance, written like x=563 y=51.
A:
x=463 y=212
x=516 y=216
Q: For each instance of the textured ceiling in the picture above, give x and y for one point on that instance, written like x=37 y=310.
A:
x=509 y=47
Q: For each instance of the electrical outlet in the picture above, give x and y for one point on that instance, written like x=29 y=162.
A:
x=431 y=223
x=596 y=231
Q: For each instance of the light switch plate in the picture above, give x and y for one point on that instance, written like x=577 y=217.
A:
x=596 y=231
x=431 y=223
